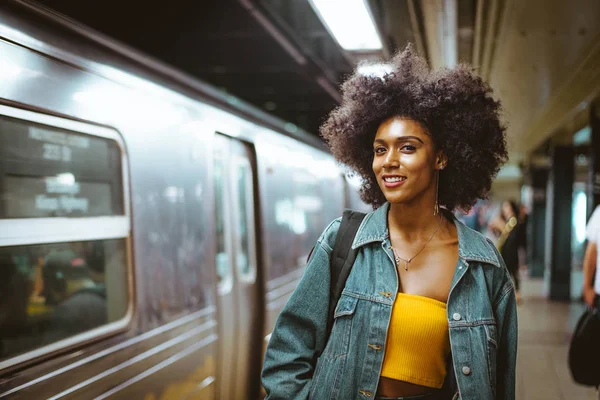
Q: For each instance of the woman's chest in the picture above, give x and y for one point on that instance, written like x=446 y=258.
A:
x=465 y=286
x=429 y=275
x=378 y=274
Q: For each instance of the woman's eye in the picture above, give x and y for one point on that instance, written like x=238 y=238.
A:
x=408 y=147
x=379 y=150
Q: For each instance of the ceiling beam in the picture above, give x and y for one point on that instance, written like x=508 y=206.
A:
x=441 y=20
x=287 y=44
x=450 y=33
x=477 y=40
x=574 y=95
x=416 y=29
x=376 y=11
x=312 y=68
x=490 y=38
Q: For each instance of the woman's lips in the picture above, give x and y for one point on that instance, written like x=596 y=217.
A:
x=392 y=181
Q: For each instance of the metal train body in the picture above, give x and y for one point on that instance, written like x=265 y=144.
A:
x=203 y=219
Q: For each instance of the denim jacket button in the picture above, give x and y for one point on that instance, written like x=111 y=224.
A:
x=466 y=370
x=456 y=317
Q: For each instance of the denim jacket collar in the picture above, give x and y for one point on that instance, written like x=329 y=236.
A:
x=471 y=246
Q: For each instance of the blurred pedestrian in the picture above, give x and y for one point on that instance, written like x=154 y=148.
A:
x=591 y=278
x=522 y=236
x=506 y=224
x=586 y=333
x=470 y=219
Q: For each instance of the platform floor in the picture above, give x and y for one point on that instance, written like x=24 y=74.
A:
x=544 y=333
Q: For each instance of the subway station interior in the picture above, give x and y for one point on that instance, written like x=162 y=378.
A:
x=162 y=178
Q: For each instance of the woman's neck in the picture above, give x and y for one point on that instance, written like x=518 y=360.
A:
x=411 y=222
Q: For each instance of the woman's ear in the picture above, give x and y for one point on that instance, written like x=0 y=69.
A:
x=441 y=161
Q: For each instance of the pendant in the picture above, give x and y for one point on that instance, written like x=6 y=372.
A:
x=398 y=259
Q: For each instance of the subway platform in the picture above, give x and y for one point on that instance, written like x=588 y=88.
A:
x=545 y=330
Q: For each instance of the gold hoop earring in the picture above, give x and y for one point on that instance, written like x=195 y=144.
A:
x=436 y=207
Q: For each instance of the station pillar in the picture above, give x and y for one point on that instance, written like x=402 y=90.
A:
x=594 y=160
x=559 y=212
x=536 y=226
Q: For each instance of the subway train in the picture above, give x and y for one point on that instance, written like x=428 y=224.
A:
x=151 y=226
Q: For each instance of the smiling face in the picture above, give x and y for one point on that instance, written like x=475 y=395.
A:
x=405 y=161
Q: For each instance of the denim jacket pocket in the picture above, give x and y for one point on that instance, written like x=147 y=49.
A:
x=331 y=363
x=492 y=349
x=339 y=340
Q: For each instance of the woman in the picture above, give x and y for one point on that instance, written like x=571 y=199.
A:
x=428 y=311
x=509 y=238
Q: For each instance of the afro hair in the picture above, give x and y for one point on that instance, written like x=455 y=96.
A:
x=454 y=105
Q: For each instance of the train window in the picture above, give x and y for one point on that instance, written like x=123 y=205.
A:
x=245 y=223
x=53 y=172
x=222 y=261
x=51 y=292
x=64 y=234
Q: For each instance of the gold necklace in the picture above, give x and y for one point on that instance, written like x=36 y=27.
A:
x=407 y=261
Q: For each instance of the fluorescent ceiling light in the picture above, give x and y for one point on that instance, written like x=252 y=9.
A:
x=350 y=22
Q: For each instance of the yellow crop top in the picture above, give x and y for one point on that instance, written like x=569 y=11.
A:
x=418 y=341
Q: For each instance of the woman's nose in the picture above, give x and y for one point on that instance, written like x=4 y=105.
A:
x=390 y=161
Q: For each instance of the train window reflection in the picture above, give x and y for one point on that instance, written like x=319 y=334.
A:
x=308 y=214
x=245 y=221
x=50 y=292
x=222 y=261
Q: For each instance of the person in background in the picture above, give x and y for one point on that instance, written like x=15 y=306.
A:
x=14 y=293
x=470 y=219
x=506 y=225
x=522 y=236
x=77 y=290
x=591 y=278
x=486 y=212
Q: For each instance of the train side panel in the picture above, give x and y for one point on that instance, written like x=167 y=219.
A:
x=305 y=191
x=168 y=154
x=167 y=343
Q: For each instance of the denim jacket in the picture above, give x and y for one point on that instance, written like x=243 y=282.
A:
x=301 y=362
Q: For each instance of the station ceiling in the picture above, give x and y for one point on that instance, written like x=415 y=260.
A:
x=541 y=56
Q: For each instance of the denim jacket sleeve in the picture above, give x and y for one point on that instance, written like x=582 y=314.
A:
x=505 y=307
x=299 y=335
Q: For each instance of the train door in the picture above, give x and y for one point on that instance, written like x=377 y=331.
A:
x=239 y=292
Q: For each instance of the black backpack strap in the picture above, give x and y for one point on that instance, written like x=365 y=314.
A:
x=342 y=259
